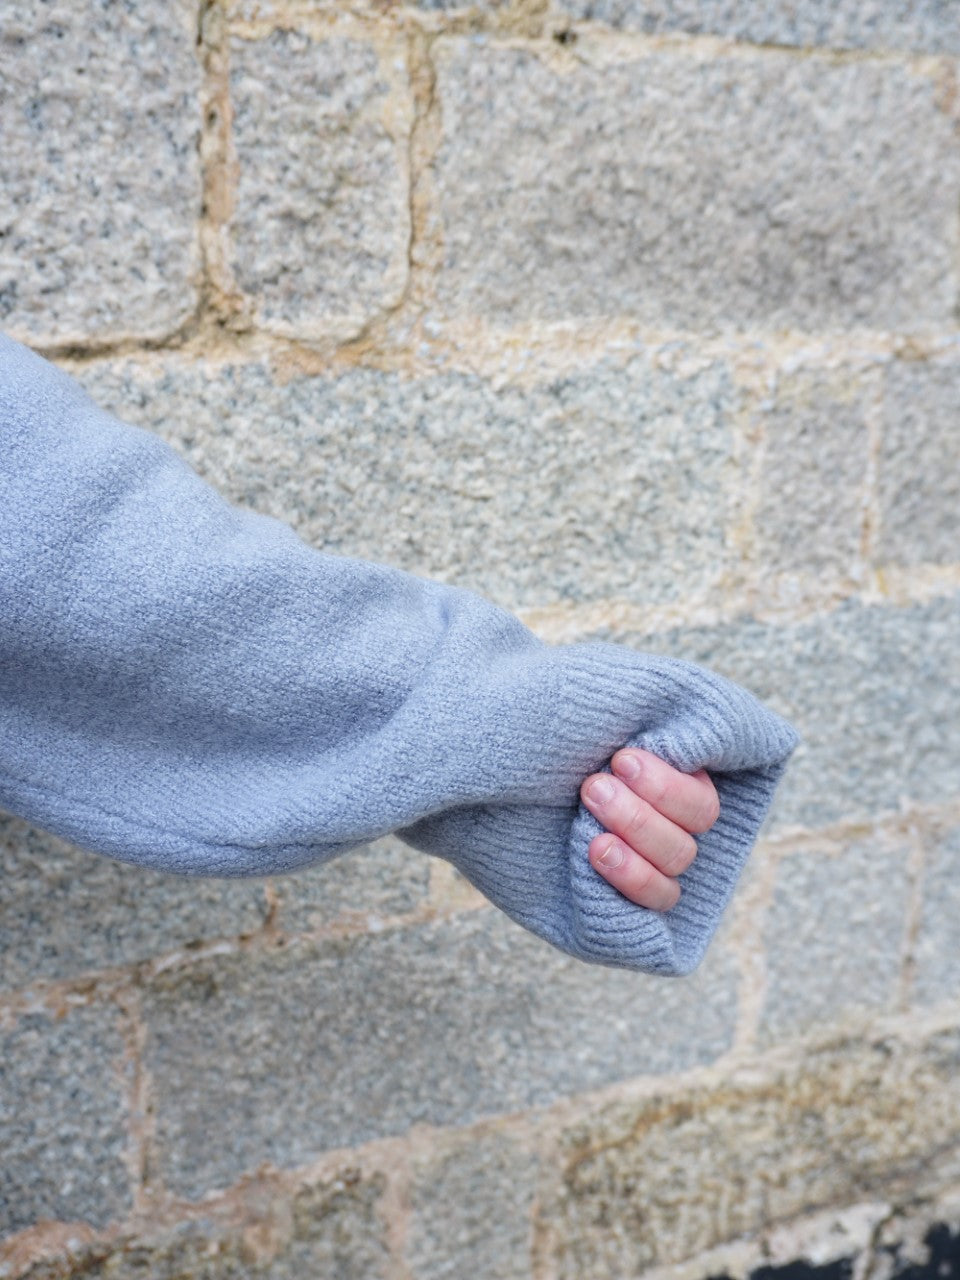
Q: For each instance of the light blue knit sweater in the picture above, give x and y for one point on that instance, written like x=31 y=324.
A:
x=190 y=686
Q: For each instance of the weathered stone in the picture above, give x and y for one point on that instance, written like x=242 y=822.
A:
x=66 y=911
x=927 y=26
x=874 y=692
x=62 y=1120
x=99 y=174
x=387 y=878
x=483 y=6
x=615 y=479
x=729 y=192
x=321 y=221
x=328 y=1229
x=813 y=478
x=472 y=1202
x=920 y=1242
x=919 y=467
x=281 y=1055
x=938 y=941
x=660 y=1179
x=833 y=936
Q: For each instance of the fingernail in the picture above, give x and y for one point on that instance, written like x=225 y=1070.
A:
x=628 y=765
x=612 y=856
x=601 y=790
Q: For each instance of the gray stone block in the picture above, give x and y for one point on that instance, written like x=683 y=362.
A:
x=387 y=878
x=874 y=692
x=329 y=1228
x=938 y=943
x=472 y=1204
x=919 y=467
x=62 y=1120
x=927 y=26
x=319 y=232
x=834 y=937
x=616 y=479
x=813 y=477
x=65 y=911
x=281 y=1055
x=722 y=193
x=99 y=174
x=661 y=1179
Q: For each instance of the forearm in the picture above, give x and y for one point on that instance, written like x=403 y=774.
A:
x=188 y=685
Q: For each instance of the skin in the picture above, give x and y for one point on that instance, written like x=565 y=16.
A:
x=651 y=816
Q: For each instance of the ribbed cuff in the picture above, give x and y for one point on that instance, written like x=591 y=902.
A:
x=531 y=859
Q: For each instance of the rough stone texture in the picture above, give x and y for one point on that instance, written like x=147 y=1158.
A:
x=813 y=478
x=65 y=911
x=612 y=480
x=328 y=1229
x=99 y=173
x=833 y=937
x=321 y=221
x=920 y=1242
x=661 y=1179
x=874 y=692
x=471 y=1210
x=62 y=1120
x=729 y=192
x=938 y=941
x=919 y=468
x=387 y=878
x=927 y=26
x=281 y=1055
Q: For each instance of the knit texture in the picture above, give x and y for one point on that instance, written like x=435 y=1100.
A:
x=188 y=685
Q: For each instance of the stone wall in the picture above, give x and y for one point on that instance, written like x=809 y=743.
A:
x=640 y=318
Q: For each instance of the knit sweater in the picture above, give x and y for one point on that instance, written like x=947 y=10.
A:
x=188 y=685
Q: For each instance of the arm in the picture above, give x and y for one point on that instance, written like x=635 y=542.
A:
x=188 y=685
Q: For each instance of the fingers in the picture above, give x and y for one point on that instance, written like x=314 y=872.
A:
x=650 y=811
x=662 y=842
x=688 y=799
x=635 y=877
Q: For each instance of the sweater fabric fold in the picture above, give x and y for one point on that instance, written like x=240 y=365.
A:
x=188 y=685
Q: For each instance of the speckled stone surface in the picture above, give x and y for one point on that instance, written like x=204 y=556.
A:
x=99 y=171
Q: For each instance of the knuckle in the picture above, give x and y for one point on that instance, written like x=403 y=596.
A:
x=671 y=896
x=680 y=857
x=659 y=789
x=638 y=819
x=643 y=874
x=704 y=813
x=710 y=813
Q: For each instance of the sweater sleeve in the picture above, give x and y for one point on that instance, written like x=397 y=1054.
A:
x=188 y=685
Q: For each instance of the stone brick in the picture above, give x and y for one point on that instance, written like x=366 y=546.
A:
x=66 y=911
x=729 y=192
x=385 y=879
x=661 y=1179
x=938 y=942
x=329 y=1228
x=926 y=26
x=919 y=467
x=99 y=174
x=281 y=1055
x=874 y=692
x=614 y=479
x=471 y=1210
x=62 y=1120
x=321 y=222
x=833 y=936
x=814 y=474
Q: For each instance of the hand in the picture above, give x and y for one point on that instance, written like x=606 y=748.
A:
x=653 y=812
